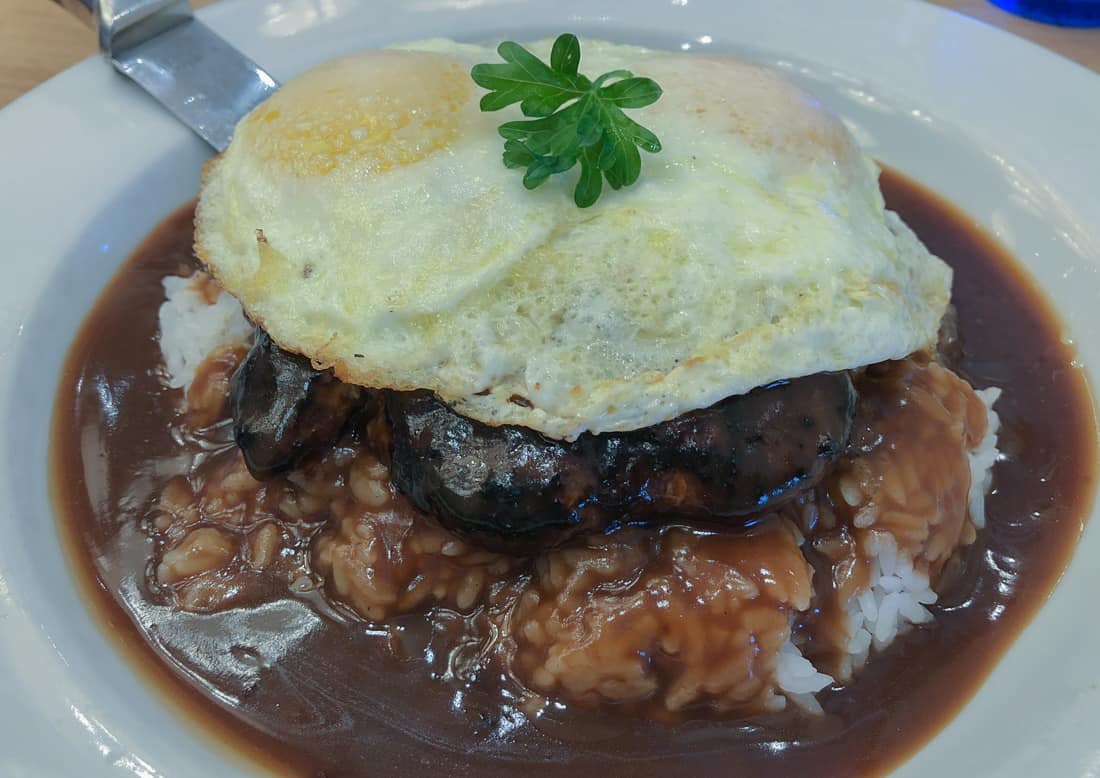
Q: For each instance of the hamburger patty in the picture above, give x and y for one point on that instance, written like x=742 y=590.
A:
x=284 y=410
x=512 y=486
x=724 y=463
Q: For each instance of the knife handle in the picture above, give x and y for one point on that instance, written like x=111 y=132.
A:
x=187 y=67
x=125 y=23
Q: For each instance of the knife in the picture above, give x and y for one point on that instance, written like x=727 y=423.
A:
x=181 y=62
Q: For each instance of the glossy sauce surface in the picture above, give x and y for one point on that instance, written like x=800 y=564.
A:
x=312 y=693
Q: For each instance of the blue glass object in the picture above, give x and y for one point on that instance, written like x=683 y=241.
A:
x=1067 y=13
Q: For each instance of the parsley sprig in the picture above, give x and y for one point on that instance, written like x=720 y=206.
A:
x=573 y=119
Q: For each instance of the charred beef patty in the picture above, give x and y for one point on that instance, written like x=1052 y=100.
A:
x=508 y=483
x=724 y=462
x=284 y=410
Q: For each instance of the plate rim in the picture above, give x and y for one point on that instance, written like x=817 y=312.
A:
x=51 y=102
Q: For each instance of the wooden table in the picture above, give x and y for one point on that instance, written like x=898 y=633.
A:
x=38 y=40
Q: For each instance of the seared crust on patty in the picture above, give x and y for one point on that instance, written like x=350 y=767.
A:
x=724 y=463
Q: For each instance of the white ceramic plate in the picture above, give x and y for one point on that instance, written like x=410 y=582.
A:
x=89 y=165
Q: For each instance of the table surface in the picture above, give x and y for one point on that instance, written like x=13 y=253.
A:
x=38 y=39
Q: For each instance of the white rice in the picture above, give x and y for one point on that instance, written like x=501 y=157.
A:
x=890 y=605
x=191 y=328
x=799 y=679
x=983 y=458
x=896 y=598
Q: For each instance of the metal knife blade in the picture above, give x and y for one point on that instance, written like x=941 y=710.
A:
x=187 y=67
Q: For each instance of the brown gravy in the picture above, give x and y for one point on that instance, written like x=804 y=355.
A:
x=337 y=703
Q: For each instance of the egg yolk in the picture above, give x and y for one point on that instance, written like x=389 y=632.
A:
x=408 y=109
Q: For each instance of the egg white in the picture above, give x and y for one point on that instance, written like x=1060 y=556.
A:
x=363 y=217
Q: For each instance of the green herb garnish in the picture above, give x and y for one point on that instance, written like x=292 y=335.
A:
x=591 y=128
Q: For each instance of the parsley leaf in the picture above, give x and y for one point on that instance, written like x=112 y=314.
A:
x=572 y=120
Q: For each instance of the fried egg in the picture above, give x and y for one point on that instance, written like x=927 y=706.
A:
x=363 y=217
